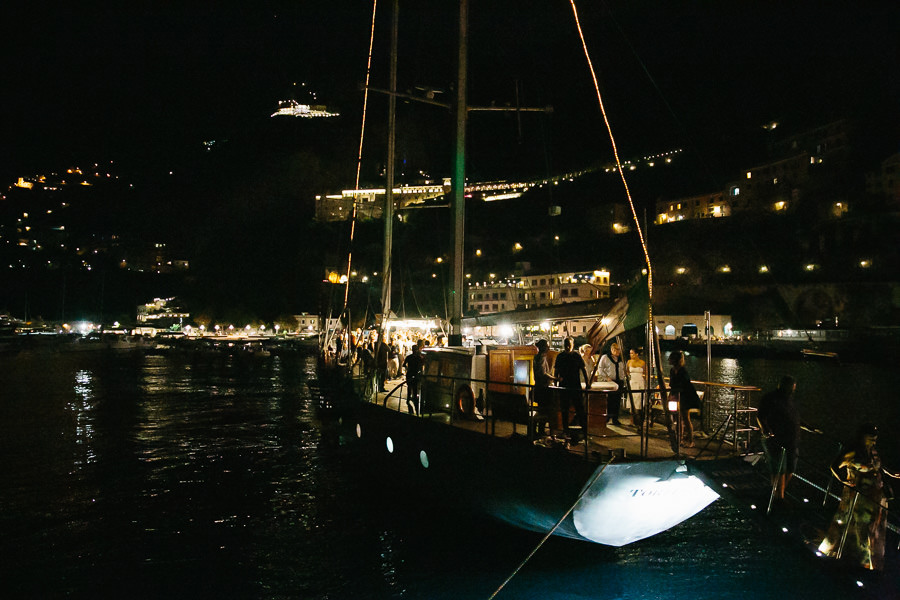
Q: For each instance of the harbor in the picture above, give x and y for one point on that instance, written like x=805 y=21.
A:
x=205 y=475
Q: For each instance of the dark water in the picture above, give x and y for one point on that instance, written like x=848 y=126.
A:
x=171 y=477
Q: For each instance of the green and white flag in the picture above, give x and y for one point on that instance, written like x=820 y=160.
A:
x=629 y=311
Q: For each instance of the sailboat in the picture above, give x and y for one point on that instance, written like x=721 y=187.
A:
x=469 y=435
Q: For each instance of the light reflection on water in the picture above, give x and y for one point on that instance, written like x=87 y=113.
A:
x=81 y=408
x=201 y=477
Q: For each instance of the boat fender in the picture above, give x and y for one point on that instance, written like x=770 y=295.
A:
x=465 y=401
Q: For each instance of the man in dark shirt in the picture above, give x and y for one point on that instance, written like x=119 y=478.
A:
x=568 y=369
x=413 y=365
x=779 y=421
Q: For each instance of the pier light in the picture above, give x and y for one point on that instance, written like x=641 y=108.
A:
x=725 y=269
x=434 y=275
x=478 y=253
x=365 y=278
x=517 y=247
x=492 y=276
x=811 y=267
x=763 y=269
x=681 y=270
x=439 y=260
x=865 y=264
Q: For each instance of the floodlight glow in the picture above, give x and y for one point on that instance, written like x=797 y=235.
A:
x=656 y=496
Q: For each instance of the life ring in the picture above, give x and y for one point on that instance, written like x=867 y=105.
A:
x=465 y=401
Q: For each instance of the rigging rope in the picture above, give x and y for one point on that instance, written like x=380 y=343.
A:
x=552 y=529
x=359 y=155
x=615 y=149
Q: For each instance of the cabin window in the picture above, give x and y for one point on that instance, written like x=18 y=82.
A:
x=574 y=291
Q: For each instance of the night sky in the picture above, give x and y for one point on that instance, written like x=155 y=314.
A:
x=145 y=81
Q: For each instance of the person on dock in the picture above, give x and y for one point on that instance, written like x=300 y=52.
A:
x=413 y=364
x=547 y=410
x=568 y=370
x=857 y=532
x=779 y=422
x=680 y=385
x=612 y=368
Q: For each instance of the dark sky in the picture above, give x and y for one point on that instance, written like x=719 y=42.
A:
x=143 y=81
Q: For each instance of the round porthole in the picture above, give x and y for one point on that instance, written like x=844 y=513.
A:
x=358 y=430
x=423 y=458
x=390 y=445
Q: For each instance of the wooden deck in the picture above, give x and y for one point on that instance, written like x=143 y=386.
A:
x=603 y=438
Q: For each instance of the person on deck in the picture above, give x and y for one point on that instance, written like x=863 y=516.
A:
x=412 y=364
x=681 y=387
x=546 y=411
x=568 y=369
x=612 y=368
x=779 y=422
x=857 y=532
x=382 y=356
x=636 y=366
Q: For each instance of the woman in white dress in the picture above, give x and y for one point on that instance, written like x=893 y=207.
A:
x=636 y=366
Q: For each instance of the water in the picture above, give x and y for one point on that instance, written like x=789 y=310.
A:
x=175 y=477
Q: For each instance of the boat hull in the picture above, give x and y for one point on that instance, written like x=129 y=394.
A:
x=528 y=486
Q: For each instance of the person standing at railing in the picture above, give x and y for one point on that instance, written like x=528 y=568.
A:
x=612 y=368
x=857 y=531
x=682 y=388
x=568 y=370
x=413 y=364
x=546 y=411
x=779 y=422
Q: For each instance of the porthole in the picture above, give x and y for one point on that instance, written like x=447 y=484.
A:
x=390 y=445
x=423 y=458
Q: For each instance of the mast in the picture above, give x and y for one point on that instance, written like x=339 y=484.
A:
x=389 y=175
x=459 y=183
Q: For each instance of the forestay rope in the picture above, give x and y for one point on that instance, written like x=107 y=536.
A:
x=552 y=529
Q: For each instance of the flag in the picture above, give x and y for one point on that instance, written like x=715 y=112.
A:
x=628 y=312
